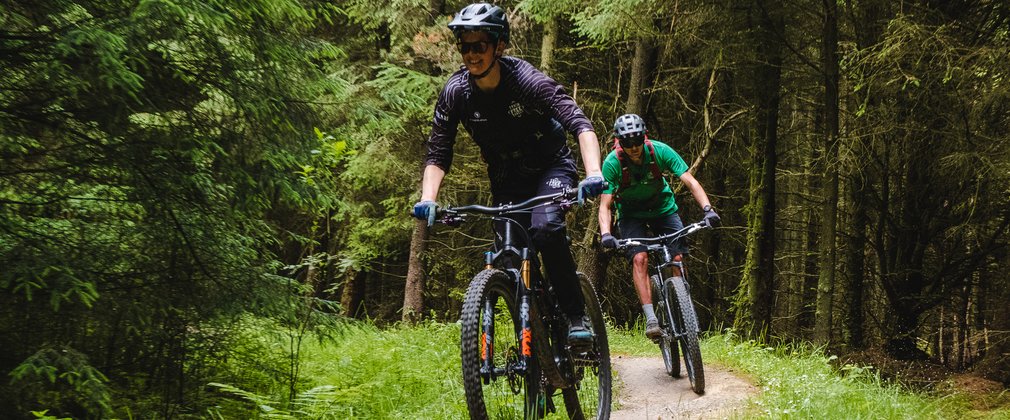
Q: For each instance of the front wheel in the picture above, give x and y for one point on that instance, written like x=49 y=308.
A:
x=687 y=326
x=496 y=382
x=590 y=394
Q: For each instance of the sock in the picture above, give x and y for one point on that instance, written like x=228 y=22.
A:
x=650 y=314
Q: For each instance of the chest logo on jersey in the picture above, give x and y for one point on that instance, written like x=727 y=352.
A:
x=554 y=183
x=477 y=117
x=515 y=110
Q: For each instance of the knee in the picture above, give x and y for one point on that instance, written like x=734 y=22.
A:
x=548 y=230
x=640 y=259
x=547 y=238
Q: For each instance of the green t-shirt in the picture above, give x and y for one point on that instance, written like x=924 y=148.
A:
x=635 y=199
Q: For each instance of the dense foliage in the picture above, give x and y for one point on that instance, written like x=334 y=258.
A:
x=149 y=158
x=169 y=168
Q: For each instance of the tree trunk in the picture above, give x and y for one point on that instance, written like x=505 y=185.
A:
x=639 y=74
x=413 y=292
x=758 y=283
x=995 y=365
x=852 y=328
x=435 y=10
x=829 y=212
x=547 y=46
x=593 y=261
x=867 y=19
x=354 y=294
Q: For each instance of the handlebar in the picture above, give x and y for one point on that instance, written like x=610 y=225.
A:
x=453 y=216
x=663 y=239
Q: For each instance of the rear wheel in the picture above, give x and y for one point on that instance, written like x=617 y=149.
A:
x=667 y=342
x=687 y=323
x=501 y=388
x=590 y=395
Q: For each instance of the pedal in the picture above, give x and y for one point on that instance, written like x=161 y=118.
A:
x=580 y=347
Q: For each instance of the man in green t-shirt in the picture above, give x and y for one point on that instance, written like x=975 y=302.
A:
x=644 y=201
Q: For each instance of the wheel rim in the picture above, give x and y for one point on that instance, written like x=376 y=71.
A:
x=591 y=369
x=506 y=391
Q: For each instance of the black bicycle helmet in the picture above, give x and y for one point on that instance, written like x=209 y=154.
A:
x=629 y=125
x=482 y=17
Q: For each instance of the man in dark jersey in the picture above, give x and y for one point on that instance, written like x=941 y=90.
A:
x=518 y=116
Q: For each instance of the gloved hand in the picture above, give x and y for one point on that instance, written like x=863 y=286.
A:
x=608 y=241
x=425 y=210
x=711 y=217
x=591 y=187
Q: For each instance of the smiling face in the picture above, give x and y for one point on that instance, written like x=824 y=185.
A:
x=477 y=62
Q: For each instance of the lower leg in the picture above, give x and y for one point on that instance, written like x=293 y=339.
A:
x=640 y=276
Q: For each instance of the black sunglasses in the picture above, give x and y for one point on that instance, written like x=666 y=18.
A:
x=479 y=47
x=631 y=141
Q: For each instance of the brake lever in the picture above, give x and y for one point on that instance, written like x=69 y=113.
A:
x=453 y=220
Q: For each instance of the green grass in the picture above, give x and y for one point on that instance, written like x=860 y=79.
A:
x=414 y=373
x=400 y=373
x=802 y=383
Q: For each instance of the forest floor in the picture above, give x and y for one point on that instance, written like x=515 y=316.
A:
x=931 y=377
x=645 y=391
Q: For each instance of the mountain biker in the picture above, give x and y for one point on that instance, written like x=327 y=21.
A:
x=518 y=117
x=645 y=201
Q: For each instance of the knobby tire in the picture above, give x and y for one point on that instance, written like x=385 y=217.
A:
x=668 y=341
x=509 y=395
x=590 y=396
x=688 y=326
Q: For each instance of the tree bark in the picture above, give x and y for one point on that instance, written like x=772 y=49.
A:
x=829 y=211
x=639 y=74
x=995 y=365
x=758 y=283
x=354 y=294
x=413 y=292
x=593 y=261
x=550 y=39
x=852 y=324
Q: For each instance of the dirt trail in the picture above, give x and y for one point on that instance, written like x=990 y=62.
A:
x=647 y=392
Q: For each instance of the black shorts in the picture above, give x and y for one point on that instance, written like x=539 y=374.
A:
x=633 y=227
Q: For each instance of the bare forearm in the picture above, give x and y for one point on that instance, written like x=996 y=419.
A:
x=605 y=216
x=696 y=189
x=431 y=182
x=589 y=145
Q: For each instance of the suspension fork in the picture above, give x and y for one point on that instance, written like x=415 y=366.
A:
x=525 y=330
x=487 y=342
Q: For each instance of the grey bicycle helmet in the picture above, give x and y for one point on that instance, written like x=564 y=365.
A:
x=482 y=17
x=629 y=125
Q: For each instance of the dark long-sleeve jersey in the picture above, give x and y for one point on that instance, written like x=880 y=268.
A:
x=519 y=120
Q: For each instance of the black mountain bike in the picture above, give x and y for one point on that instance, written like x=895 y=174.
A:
x=674 y=308
x=514 y=339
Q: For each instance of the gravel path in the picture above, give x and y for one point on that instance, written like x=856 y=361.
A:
x=645 y=391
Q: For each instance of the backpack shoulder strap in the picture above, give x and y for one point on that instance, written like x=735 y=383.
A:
x=656 y=172
x=623 y=159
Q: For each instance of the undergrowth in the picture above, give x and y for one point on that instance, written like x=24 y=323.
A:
x=414 y=372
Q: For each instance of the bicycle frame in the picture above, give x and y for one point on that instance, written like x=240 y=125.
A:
x=527 y=282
